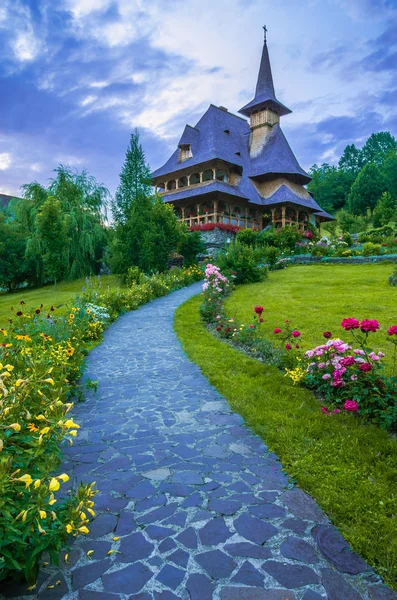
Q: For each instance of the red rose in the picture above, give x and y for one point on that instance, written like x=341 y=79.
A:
x=295 y=333
x=393 y=329
x=251 y=326
x=278 y=330
x=259 y=310
x=261 y=320
x=219 y=328
x=369 y=325
x=288 y=346
x=348 y=324
x=297 y=346
x=365 y=367
x=327 y=334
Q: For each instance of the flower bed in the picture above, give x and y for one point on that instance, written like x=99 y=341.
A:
x=41 y=360
x=212 y=226
x=344 y=376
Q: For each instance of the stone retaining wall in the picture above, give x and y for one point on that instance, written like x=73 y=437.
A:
x=303 y=259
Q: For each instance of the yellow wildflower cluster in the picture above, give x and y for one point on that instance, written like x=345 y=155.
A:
x=296 y=374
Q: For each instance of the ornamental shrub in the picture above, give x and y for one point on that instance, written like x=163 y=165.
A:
x=320 y=250
x=243 y=261
x=248 y=237
x=133 y=275
x=371 y=249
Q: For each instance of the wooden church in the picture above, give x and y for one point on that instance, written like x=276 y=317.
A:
x=228 y=170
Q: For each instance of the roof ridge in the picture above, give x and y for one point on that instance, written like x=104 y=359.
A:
x=227 y=112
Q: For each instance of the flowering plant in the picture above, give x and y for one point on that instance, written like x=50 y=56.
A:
x=215 y=287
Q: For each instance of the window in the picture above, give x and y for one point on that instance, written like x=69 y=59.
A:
x=195 y=178
x=171 y=185
x=226 y=131
x=208 y=174
x=221 y=175
x=185 y=152
x=182 y=182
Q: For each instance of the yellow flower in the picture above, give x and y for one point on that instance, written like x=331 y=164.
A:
x=9 y=368
x=70 y=423
x=1 y=445
x=116 y=538
x=37 y=484
x=69 y=528
x=71 y=316
x=41 y=530
x=27 y=479
x=19 y=382
x=73 y=432
x=4 y=332
x=43 y=514
x=49 y=380
x=63 y=477
x=92 y=513
x=89 y=552
x=32 y=427
x=84 y=529
x=45 y=430
x=54 y=485
x=40 y=418
x=15 y=426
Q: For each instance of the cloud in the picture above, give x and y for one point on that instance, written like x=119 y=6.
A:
x=5 y=161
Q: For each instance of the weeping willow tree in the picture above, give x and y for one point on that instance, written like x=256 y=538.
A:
x=83 y=203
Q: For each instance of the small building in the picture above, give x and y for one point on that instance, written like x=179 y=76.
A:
x=239 y=173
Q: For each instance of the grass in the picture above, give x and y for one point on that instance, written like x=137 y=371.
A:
x=47 y=295
x=347 y=466
x=315 y=298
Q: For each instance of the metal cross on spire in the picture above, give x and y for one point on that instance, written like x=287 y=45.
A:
x=265 y=31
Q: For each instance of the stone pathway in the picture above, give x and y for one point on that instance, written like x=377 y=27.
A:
x=202 y=509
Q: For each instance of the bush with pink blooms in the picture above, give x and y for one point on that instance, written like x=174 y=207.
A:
x=216 y=287
x=351 y=374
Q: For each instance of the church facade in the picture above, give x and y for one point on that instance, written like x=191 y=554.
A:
x=237 y=172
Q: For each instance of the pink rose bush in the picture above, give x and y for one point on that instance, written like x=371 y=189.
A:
x=215 y=288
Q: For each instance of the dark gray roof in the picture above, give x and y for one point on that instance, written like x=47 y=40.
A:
x=284 y=194
x=326 y=216
x=208 y=141
x=264 y=93
x=276 y=157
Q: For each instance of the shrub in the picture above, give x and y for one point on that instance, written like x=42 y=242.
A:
x=134 y=275
x=216 y=287
x=248 y=237
x=320 y=250
x=191 y=245
x=370 y=249
x=243 y=262
x=270 y=256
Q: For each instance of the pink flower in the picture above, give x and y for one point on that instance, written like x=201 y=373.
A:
x=350 y=323
x=336 y=411
x=309 y=353
x=288 y=346
x=321 y=365
x=392 y=330
x=369 y=325
x=251 y=326
x=365 y=367
x=324 y=410
x=286 y=320
x=350 y=405
x=380 y=354
x=374 y=356
x=347 y=361
x=359 y=351
x=295 y=333
x=326 y=376
x=338 y=383
x=277 y=330
x=353 y=377
x=218 y=316
x=327 y=334
x=259 y=310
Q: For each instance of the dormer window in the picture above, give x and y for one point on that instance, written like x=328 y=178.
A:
x=226 y=131
x=238 y=153
x=185 y=152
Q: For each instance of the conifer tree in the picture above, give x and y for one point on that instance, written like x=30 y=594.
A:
x=366 y=190
x=135 y=181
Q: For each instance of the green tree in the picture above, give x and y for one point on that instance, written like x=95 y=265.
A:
x=389 y=170
x=12 y=254
x=349 y=223
x=190 y=245
x=366 y=190
x=378 y=147
x=351 y=160
x=168 y=232
x=52 y=227
x=135 y=181
x=385 y=211
x=330 y=186
x=83 y=201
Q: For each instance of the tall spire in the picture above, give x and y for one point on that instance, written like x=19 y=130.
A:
x=265 y=96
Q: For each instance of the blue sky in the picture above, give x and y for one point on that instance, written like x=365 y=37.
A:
x=77 y=76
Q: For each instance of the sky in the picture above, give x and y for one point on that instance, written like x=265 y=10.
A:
x=78 y=76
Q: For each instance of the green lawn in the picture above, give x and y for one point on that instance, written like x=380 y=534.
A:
x=315 y=298
x=347 y=466
x=47 y=295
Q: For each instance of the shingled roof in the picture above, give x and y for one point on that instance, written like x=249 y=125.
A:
x=264 y=93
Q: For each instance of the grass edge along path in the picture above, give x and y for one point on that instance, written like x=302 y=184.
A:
x=347 y=466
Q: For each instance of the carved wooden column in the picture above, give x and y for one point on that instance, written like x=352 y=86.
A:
x=283 y=209
x=183 y=213
x=273 y=210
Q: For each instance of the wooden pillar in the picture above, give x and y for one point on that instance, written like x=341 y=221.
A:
x=176 y=183
x=273 y=210
x=183 y=212
x=201 y=176
x=215 y=211
x=283 y=209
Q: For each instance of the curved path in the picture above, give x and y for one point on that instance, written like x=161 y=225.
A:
x=200 y=508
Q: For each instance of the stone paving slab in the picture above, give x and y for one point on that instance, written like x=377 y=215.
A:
x=201 y=509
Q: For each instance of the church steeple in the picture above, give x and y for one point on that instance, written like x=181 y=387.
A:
x=265 y=97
